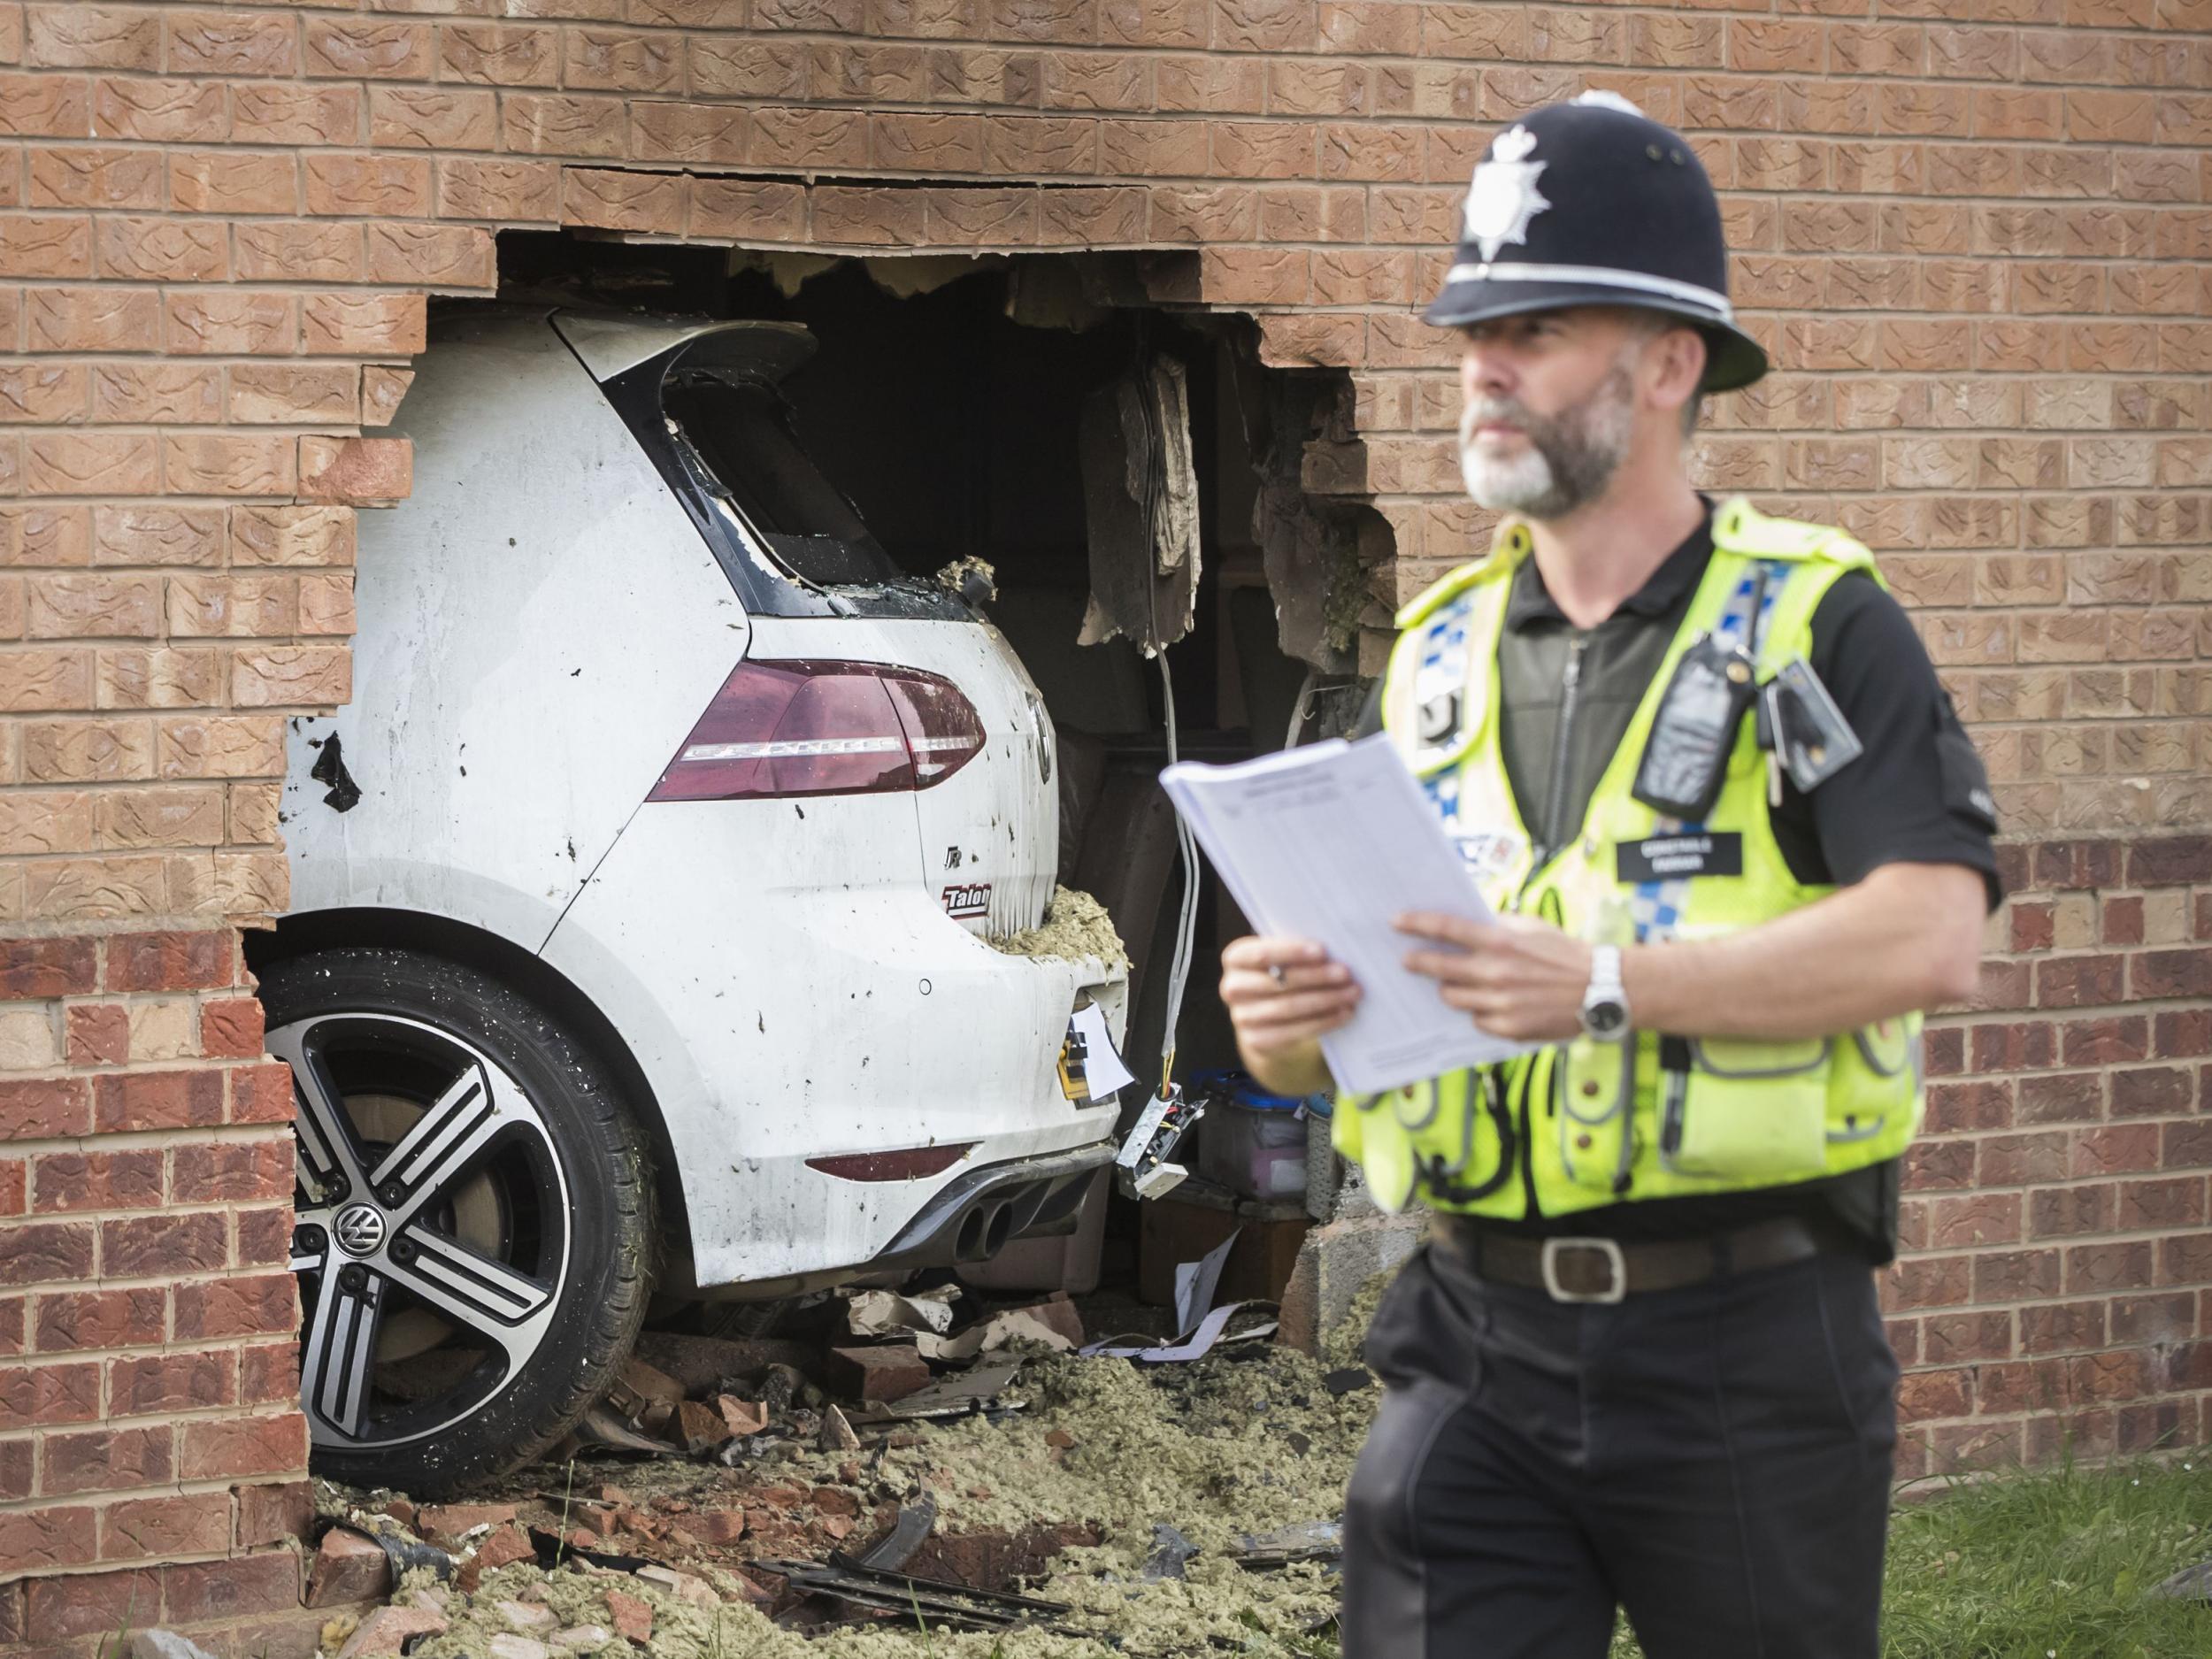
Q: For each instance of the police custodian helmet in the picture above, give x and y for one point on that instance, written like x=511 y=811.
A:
x=1593 y=203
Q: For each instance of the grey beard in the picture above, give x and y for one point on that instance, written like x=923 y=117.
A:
x=1571 y=458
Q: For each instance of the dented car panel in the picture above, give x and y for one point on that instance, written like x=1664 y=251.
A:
x=538 y=626
x=541 y=624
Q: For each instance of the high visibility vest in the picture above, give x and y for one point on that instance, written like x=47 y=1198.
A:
x=1585 y=1123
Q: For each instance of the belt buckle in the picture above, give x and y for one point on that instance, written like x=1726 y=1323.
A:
x=1609 y=1248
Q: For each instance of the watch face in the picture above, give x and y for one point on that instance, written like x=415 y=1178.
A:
x=1604 y=1020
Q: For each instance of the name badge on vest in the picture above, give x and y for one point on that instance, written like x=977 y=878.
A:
x=1672 y=858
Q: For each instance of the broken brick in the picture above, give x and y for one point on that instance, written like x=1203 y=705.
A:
x=447 y=1524
x=874 y=1375
x=717 y=1526
x=741 y=1416
x=386 y=1631
x=633 y=1618
x=700 y=1427
x=349 y=1566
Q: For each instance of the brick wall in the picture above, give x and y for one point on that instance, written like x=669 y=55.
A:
x=1975 y=248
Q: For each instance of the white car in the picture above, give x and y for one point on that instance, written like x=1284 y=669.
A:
x=647 y=898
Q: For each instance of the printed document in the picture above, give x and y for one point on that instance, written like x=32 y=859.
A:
x=1331 y=842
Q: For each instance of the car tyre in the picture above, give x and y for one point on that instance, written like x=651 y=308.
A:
x=473 y=1217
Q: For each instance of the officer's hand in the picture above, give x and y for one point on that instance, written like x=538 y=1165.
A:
x=1521 y=979
x=1283 y=994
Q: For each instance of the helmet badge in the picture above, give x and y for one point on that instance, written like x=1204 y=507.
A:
x=1504 y=197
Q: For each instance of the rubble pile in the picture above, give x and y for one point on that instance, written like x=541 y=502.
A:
x=848 y=1498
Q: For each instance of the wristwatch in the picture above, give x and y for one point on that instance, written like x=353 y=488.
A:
x=1605 y=1001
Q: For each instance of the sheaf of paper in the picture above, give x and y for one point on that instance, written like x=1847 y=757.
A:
x=1103 y=1072
x=1331 y=842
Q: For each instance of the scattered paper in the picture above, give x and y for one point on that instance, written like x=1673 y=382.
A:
x=999 y=1331
x=886 y=1313
x=1193 y=1344
x=1196 y=1283
x=1105 y=1076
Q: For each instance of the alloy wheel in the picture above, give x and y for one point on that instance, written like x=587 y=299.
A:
x=430 y=1231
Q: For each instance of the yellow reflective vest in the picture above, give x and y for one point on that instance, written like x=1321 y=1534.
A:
x=1586 y=1124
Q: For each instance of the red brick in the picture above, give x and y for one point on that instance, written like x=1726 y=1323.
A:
x=267 y=1583
x=47 y=967
x=2061 y=1327
x=263 y=1305
x=143 y=1246
x=157 y=1099
x=44 y=1109
x=140 y=1529
x=271 y=1514
x=106 y=1460
x=233 y=1170
x=172 y=961
x=76 y=1320
x=269 y=1374
x=42 y=1540
x=214 y=1448
x=40 y=1396
x=261 y=1093
x=2162 y=973
x=45 y=1253
x=146 y=1384
x=96 y=1180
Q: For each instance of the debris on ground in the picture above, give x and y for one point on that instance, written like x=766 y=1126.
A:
x=972 y=578
x=846 y=1498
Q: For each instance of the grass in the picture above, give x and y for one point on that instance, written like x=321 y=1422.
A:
x=2052 y=1564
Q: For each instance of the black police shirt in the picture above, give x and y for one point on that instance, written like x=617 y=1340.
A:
x=1918 y=795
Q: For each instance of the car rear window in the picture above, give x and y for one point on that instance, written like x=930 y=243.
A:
x=740 y=432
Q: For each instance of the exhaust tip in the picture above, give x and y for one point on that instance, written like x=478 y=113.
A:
x=1001 y=1228
x=968 y=1243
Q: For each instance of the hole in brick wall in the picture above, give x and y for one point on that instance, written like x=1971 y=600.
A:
x=947 y=400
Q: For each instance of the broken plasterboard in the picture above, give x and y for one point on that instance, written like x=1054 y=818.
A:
x=1140 y=508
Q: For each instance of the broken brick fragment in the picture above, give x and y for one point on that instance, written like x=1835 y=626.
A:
x=385 y=1633
x=717 y=1526
x=633 y=1618
x=502 y=1546
x=873 y=1374
x=699 y=1427
x=447 y=1524
x=349 y=1566
x=741 y=1416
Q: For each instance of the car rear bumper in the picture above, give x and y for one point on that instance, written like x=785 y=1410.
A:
x=780 y=1017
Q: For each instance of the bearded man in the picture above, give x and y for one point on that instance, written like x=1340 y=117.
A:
x=1736 y=842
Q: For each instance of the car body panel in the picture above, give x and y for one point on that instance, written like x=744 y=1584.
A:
x=788 y=1011
x=990 y=831
x=539 y=558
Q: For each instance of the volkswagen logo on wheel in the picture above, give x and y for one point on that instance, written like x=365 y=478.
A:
x=359 y=1229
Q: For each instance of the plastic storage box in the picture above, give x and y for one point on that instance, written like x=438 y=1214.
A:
x=1252 y=1142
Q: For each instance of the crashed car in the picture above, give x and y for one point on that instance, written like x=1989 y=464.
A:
x=654 y=899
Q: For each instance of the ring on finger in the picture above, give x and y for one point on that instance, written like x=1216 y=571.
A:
x=1275 y=972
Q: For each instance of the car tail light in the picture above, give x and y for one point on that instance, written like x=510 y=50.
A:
x=823 y=728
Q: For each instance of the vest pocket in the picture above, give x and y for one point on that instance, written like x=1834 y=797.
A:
x=1594 y=1090
x=1865 y=1087
x=1747 y=1110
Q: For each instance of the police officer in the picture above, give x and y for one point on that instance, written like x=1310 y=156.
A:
x=1701 y=768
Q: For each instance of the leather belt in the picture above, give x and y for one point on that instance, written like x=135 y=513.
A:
x=1607 y=1269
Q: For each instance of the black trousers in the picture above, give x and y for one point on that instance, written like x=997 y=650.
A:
x=1715 y=1460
